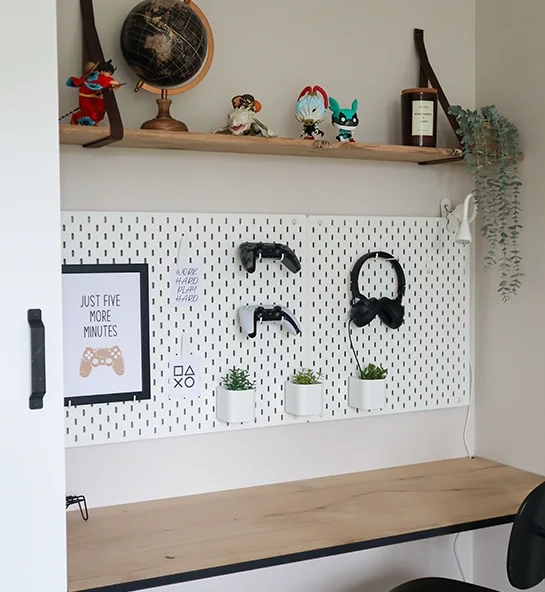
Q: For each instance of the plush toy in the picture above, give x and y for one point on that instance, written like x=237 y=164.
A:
x=345 y=120
x=91 y=110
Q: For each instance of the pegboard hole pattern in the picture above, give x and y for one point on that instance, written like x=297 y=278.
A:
x=427 y=357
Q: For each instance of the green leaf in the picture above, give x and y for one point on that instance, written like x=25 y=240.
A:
x=373 y=372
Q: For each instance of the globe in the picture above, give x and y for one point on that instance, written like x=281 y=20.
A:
x=169 y=46
x=164 y=42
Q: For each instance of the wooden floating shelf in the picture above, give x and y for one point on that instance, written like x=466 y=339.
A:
x=156 y=140
x=151 y=544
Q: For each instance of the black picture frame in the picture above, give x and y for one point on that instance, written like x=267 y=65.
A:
x=118 y=268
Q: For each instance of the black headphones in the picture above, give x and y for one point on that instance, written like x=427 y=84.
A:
x=364 y=310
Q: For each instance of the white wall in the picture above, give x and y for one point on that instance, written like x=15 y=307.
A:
x=32 y=531
x=510 y=347
x=360 y=49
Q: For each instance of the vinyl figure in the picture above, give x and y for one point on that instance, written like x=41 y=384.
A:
x=311 y=110
x=345 y=120
x=91 y=85
x=242 y=121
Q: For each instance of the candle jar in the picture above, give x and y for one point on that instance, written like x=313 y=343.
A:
x=419 y=117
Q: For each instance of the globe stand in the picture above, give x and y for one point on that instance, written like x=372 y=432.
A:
x=164 y=121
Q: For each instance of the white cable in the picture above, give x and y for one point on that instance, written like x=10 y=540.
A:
x=458 y=562
x=468 y=414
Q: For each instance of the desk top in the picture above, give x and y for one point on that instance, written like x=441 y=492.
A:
x=139 y=546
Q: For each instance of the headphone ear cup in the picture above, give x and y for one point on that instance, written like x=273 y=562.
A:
x=364 y=312
x=391 y=313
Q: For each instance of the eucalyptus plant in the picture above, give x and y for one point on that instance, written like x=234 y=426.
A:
x=490 y=145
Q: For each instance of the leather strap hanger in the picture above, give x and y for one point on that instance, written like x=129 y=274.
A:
x=92 y=52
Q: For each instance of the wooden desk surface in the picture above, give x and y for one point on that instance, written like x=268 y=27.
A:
x=140 y=546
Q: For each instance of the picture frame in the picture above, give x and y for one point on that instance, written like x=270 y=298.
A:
x=106 y=333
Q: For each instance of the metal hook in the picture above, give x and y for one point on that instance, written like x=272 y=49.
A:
x=180 y=247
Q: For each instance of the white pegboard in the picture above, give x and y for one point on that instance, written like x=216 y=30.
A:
x=212 y=329
x=426 y=358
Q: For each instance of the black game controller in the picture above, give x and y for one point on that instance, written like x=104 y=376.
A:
x=250 y=252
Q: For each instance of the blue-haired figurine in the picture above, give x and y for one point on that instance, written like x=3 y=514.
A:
x=345 y=120
x=311 y=110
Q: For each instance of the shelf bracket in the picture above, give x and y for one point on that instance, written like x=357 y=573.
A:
x=426 y=76
x=92 y=51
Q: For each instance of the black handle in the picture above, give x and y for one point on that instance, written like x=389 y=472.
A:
x=37 y=358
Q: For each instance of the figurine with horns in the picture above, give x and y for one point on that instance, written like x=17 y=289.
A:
x=311 y=110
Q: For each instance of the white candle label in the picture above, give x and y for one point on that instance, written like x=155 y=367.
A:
x=423 y=118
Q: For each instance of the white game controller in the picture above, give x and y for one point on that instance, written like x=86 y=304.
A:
x=250 y=316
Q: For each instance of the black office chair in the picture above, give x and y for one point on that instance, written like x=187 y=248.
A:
x=525 y=555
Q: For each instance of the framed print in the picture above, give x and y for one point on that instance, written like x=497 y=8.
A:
x=106 y=333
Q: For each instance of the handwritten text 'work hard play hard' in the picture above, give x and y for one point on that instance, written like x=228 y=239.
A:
x=100 y=314
x=186 y=285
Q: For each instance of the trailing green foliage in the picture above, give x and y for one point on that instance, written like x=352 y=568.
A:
x=238 y=380
x=307 y=376
x=491 y=150
x=373 y=372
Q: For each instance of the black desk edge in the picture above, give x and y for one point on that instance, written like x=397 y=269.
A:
x=212 y=572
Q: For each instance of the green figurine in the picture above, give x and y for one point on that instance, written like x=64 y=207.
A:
x=345 y=120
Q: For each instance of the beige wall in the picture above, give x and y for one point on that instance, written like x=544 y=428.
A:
x=379 y=64
x=510 y=344
x=355 y=48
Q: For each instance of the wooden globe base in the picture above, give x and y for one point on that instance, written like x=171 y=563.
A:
x=164 y=121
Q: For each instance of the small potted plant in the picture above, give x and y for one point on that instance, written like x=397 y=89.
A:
x=368 y=390
x=305 y=393
x=490 y=145
x=235 y=397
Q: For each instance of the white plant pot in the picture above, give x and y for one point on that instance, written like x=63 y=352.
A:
x=235 y=406
x=367 y=394
x=304 y=399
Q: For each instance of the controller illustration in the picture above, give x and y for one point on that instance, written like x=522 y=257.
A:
x=107 y=356
x=250 y=253
x=250 y=315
